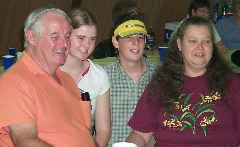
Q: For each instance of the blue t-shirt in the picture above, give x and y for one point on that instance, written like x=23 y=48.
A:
x=229 y=32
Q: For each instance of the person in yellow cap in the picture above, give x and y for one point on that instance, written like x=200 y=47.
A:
x=120 y=9
x=129 y=75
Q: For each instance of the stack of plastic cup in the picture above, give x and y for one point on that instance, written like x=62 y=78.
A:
x=8 y=61
x=162 y=52
x=12 y=51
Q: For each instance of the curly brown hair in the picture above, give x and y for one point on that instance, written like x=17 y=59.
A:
x=170 y=76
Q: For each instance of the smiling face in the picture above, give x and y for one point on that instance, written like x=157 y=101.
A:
x=201 y=12
x=130 y=48
x=83 y=41
x=196 y=47
x=50 y=49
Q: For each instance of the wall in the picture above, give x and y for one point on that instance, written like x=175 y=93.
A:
x=14 y=12
x=157 y=13
x=12 y=17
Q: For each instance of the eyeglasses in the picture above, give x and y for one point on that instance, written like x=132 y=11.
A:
x=203 y=10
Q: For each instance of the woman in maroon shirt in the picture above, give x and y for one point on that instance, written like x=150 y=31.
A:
x=193 y=99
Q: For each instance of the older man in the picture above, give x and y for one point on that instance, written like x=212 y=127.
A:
x=40 y=105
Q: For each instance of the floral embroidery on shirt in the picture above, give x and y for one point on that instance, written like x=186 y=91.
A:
x=192 y=115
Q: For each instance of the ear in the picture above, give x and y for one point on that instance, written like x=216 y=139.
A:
x=115 y=42
x=193 y=12
x=31 y=37
x=179 y=44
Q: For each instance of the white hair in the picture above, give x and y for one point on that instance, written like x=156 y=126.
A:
x=33 y=21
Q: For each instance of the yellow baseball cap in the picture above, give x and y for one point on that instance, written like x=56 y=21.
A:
x=130 y=27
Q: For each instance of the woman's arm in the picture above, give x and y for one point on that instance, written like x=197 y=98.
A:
x=102 y=120
x=139 y=138
x=25 y=135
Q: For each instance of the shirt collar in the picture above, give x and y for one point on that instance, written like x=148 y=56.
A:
x=120 y=70
x=32 y=66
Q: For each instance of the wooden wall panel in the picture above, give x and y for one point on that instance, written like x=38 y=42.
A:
x=167 y=11
x=157 y=13
x=12 y=17
x=7 y=25
x=3 y=8
x=63 y=4
x=16 y=34
x=101 y=9
x=104 y=19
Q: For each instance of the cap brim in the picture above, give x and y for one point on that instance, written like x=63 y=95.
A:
x=131 y=32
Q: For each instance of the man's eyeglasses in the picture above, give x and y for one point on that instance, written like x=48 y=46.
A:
x=203 y=10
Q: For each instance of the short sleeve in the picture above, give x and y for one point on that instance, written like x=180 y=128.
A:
x=219 y=27
x=105 y=81
x=145 y=114
x=217 y=37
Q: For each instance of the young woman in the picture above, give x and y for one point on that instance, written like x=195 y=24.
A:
x=89 y=77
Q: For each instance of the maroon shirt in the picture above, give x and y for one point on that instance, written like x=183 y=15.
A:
x=202 y=118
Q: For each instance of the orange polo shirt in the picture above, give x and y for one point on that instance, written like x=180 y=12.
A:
x=29 y=95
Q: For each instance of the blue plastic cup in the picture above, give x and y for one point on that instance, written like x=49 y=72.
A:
x=162 y=52
x=12 y=51
x=8 y=61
